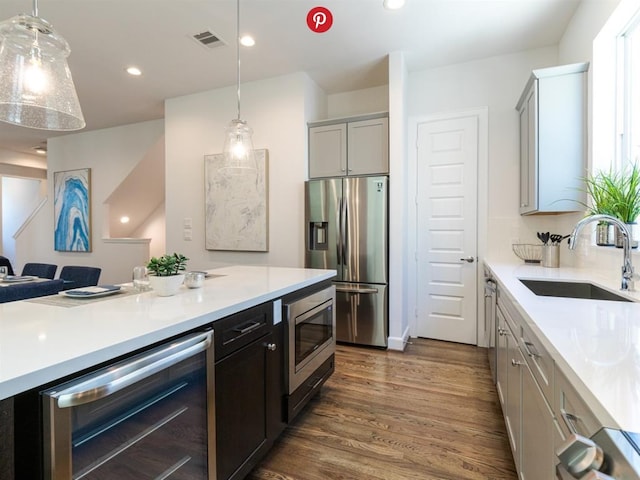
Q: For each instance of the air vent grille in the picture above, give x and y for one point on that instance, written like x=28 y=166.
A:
x=208 y=39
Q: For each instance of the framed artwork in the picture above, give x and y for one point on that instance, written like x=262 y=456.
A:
x=72 y=210
x=236 y=209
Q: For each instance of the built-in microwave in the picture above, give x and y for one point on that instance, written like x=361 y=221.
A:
x=311 y=339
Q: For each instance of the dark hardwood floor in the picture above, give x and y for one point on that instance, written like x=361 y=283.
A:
x=428 y=413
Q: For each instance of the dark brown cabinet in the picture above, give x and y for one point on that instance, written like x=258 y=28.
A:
x=249 y=389
x=6 y=439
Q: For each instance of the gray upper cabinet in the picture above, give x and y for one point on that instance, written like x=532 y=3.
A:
x=354 y=146
x=553 y=140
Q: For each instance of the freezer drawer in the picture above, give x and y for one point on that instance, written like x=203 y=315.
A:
x=361 y=314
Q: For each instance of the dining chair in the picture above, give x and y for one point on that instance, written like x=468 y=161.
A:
x=4 y=262
x=42 y=270
x=79 y=276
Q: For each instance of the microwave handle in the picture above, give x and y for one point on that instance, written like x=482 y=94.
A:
x=102 y=385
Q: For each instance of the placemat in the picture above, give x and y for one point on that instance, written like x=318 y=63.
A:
x=67 y=302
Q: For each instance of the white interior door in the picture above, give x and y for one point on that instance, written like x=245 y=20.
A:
x=447 y=211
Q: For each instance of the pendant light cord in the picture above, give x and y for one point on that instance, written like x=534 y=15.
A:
x=237 y=51
x=35 y=8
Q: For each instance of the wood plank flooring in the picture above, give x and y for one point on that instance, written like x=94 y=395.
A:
x=428 y=413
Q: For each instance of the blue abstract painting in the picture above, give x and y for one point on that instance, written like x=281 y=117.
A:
x=72 y=212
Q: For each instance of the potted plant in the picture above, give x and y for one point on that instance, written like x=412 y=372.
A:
x=166 y=273
x=616 y=193
x=598 y=188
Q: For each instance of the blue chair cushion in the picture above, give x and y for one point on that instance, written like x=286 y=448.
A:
x=22 y=291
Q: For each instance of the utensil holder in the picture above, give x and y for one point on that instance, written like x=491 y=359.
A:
x=551 y=256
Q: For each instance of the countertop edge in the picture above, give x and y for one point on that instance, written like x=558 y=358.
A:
x=50 y=373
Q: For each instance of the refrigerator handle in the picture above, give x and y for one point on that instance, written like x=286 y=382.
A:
x=345 y=236
x=339 y=235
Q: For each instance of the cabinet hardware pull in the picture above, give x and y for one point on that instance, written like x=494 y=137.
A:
x=515 y=362
x=123 y=375
x=315 y=384
x=271 y=347
x=531 y=350
x=570 y=421
x=246 y=328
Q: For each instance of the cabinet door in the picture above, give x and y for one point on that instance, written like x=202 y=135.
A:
x=368 y=151
x=502 y=358
x=537 y=454
x=328 y=151
x=242 y=400
x=6 y=434
x=513 y=414
x=529 y=152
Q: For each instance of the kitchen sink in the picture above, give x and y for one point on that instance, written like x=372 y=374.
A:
x=550 y=288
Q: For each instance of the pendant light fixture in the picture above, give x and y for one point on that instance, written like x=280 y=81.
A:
x=36 y=88
x=239 y=156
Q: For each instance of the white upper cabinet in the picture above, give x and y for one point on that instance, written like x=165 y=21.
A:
x=553 y=140
x=355 y=146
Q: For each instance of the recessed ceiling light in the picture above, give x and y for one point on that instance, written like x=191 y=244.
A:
x=40 y=150
x=124 y=219
x=135 y=71
x=393 y=4
x=247 y=41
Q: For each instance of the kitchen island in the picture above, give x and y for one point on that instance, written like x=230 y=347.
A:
x=45 y=342
x=40 y=343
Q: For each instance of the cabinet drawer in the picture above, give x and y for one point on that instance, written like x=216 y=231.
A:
x=510 y=313
x=539 y=361
x=236 y=331
x=571 y=411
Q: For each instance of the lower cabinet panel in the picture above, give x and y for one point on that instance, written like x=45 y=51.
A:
x=537 y=462
x=241 y=414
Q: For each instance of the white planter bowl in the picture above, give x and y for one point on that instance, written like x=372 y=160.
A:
x=166 y=286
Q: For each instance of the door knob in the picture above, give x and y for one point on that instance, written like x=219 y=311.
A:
x=271 y=347
x=469 y=259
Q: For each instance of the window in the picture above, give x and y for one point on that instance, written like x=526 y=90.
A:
x=628 y=94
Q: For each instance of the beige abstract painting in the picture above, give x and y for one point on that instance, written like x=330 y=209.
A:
x=236 y=207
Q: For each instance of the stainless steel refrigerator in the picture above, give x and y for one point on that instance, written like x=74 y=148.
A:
x=347 y=230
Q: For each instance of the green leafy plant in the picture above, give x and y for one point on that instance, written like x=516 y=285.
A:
x=167 y=265
x=615 y=193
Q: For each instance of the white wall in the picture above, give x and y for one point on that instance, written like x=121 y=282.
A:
x=9 y=157
x=358 y=102
x=154 y=229
x=20 y=197
x=497 y=83
x=577 y=45
x=194 y=127
x=111 y=154
x=400 y=303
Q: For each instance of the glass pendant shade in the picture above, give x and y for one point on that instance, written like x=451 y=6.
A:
x=239 y=156
x=36 y=88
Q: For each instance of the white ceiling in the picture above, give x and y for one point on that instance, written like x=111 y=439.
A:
x=107 y=35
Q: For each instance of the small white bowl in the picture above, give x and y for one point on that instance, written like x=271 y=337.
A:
x=194 y=279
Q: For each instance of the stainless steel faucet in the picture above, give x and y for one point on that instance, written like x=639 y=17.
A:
x=627 y=267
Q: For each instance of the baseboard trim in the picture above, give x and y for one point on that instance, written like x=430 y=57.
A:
x=399 y=343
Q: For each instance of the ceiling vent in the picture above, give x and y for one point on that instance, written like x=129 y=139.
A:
x=208 y=39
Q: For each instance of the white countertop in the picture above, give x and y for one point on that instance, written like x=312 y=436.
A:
x=596 y=344
x=41 y=343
